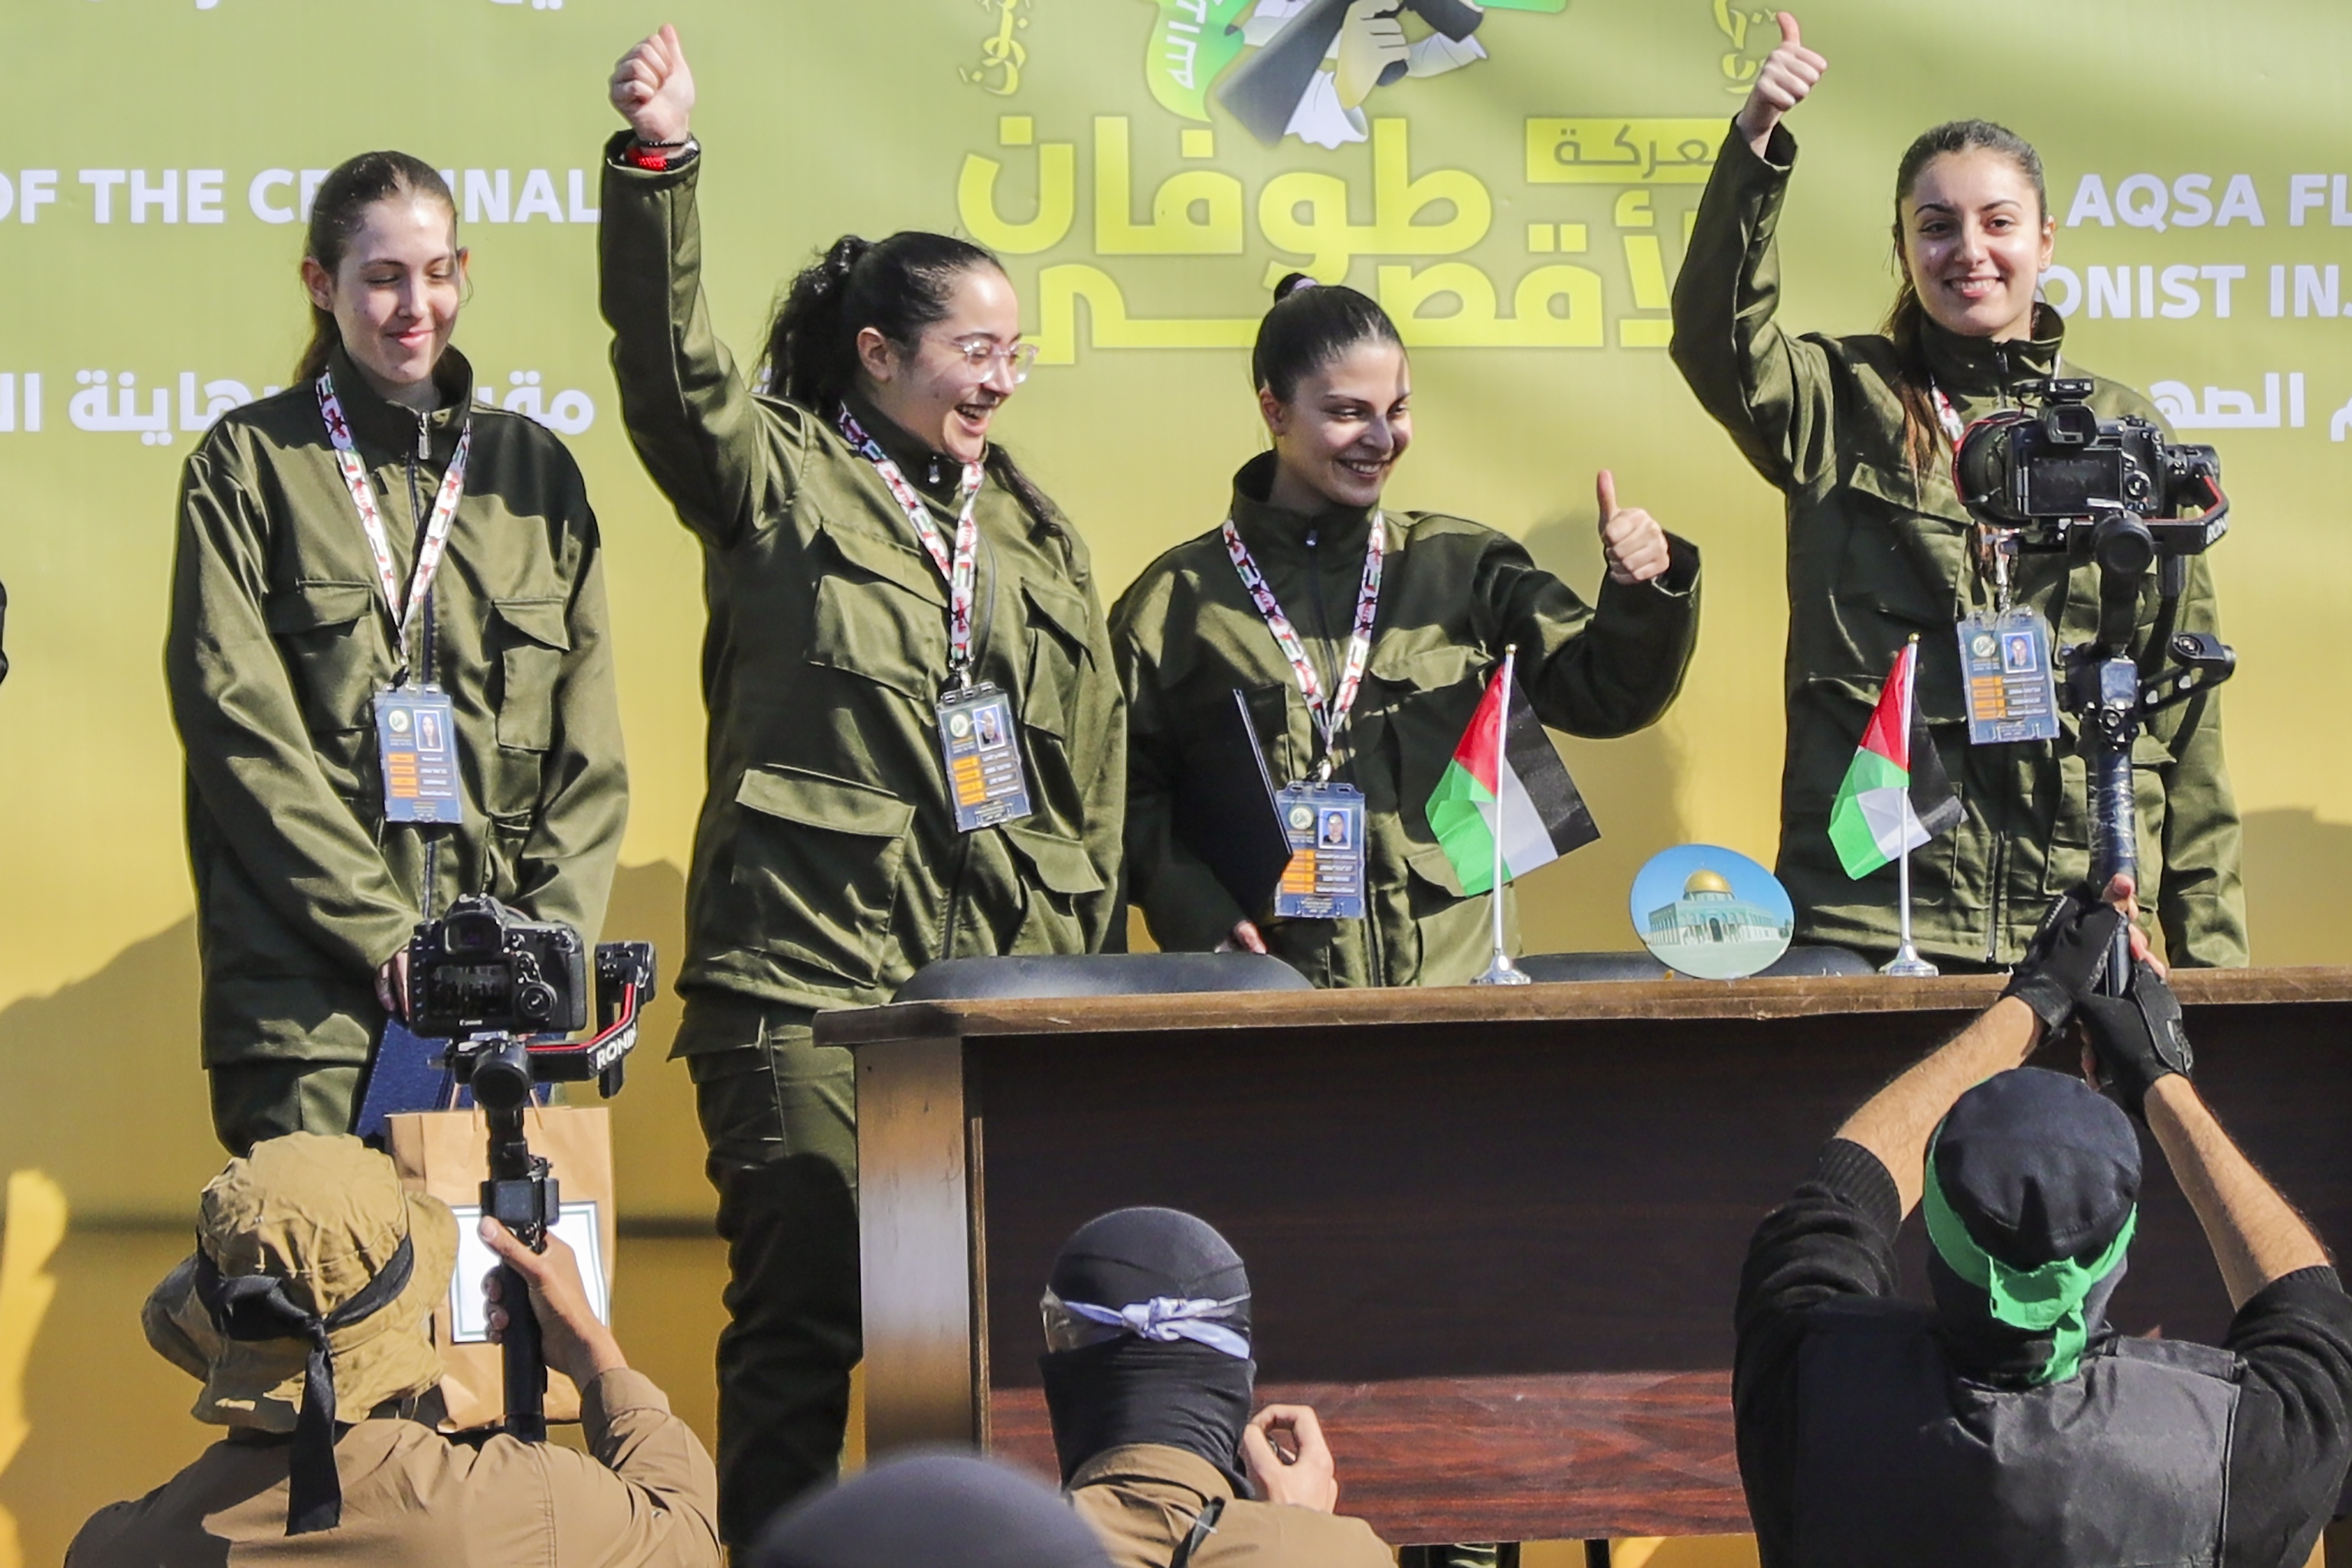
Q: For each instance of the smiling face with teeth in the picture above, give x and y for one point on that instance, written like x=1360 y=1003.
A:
x=1342 y=429
x=1974 y=241
x=929 y=388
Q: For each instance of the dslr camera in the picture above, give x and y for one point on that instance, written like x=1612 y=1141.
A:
x=482 y=969
x=2064 y=478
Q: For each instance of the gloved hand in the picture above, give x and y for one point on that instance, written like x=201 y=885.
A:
x=2065 y=958
x=2136 y=1038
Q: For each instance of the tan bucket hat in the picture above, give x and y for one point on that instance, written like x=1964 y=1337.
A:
x=326 y=1221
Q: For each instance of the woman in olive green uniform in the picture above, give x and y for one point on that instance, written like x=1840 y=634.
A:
x=1857 y=432
x=371 y=556
x=1450 y=597
x=893 y=609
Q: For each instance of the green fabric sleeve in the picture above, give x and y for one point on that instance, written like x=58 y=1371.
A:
x=700 y=433
x=565 y=870
x=249 y=754
x=1596 y=671
x=1769 y=390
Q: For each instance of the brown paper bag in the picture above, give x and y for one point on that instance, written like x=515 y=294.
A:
x=445 y=1154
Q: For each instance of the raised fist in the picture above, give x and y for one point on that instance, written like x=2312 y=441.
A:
x=654 y=88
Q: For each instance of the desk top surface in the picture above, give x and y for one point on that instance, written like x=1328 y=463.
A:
x=1472 y=1004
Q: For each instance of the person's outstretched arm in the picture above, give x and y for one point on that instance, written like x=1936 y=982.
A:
x=2255 y=1234
x=697 y=426
x=1770 y=390
x=1895 y=1123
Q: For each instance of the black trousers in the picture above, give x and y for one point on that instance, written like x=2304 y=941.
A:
x=778 y=1116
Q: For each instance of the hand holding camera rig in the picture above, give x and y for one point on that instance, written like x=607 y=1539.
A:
x=507 y=993
x=2107 y=492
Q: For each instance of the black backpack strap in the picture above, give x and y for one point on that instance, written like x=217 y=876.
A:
x=1203 y=1527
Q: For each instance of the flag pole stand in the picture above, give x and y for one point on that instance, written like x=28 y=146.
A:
x=1501 y=970
x=1907 y=962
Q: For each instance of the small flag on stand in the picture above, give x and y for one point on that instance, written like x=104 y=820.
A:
x=1895 y=796
x=1506 y=756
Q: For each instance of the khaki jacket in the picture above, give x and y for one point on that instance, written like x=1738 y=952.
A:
x=827 y=864
x=280 y=640
x=1453 y=594
x=1875 y=554
x=1142 y=1500
x=645 y=1496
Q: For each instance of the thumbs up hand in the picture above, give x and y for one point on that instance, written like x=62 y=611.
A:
x=1786 y=77
x=1631 y=538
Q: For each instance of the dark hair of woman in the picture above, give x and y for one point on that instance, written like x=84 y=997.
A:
x=1921 y=428
x=1310 y=325
x=337 y=213
x=897 y=286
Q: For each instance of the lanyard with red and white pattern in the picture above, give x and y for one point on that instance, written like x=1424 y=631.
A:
x=430 y=549
x=1327 y=720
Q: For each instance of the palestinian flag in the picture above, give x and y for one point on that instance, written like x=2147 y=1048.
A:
x=1505 y=771
x=1895 y=796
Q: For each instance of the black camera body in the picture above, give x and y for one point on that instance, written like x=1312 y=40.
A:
x=2050 y=470
x=482 y=969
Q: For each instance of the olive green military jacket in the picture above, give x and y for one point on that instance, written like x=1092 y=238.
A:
x=1141 y=1500
x=1453 y=594
x=1878 y=553
x=827 y=864
x=279 y=639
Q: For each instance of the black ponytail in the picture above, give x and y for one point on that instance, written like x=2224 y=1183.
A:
x=897 y=286
x=1312 y=324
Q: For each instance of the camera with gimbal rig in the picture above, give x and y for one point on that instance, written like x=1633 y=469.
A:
x=508 y=994
x=2113 y=494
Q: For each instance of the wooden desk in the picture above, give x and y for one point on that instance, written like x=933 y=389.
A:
x=1494 y=1235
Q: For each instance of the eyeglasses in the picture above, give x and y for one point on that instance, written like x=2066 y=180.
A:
x=981 y=357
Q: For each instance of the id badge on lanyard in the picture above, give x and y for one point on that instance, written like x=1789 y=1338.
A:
x=977 y=740
x=415 y=727
x=1323 y=821
x=1325 y=877
x=2012 y=690
x=980 y=748
x=2005 y=659
x=417 y=740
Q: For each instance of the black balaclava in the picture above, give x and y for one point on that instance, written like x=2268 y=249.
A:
x=2037 y=1167
x=929 y=1509
x=1144 y=1381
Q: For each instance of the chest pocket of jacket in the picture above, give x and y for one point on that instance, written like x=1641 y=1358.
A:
x=1906 y=557
x=1061 y=658
x=531 y=639
x=326 y=634
x=881 y=614
x=816 y=865
x=1428 y=687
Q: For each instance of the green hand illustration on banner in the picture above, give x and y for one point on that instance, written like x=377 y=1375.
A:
x=1192 y=41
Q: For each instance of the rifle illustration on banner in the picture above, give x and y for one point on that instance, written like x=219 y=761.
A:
x=1895 y=798
x=1506 y=806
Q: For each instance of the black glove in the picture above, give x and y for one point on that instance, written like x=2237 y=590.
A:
x=2065 y=958
x=2136 y=1038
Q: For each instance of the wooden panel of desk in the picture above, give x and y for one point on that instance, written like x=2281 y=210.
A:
x=1493 y=1235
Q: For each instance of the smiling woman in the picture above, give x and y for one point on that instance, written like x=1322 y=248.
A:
x=368 y=736
x=1856 y=432
x=1360 y=642
x=892 y=601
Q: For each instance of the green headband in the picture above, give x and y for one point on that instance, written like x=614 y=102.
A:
x=2048 y=1298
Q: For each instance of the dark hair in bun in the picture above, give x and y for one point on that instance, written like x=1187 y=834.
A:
x=897 y=286
x=1312 y=324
